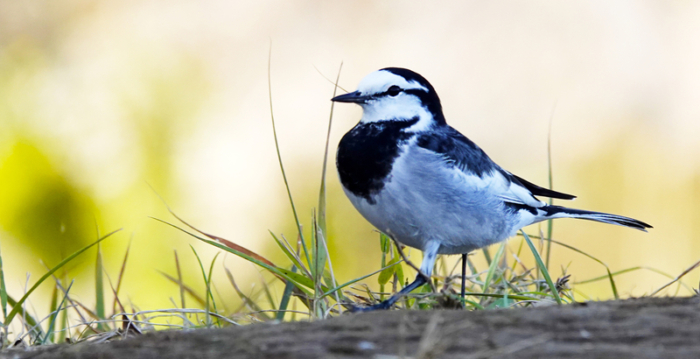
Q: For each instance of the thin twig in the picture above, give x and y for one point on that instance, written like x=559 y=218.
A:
x=329 y=80
x=697 y=264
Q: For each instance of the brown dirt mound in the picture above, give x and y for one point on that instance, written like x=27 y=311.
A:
x=635 y=328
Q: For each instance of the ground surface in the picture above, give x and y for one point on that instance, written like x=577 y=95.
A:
x=637 y=328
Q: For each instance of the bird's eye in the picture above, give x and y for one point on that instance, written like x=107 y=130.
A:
x=393 y=91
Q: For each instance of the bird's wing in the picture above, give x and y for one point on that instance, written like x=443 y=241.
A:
x=458 y=150
x=465 y=155
x=540 y=191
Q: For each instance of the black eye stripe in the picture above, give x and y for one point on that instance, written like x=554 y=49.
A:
x=417 y=92
x=391 y=91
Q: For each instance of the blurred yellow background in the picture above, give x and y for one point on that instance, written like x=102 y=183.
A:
x=101 y=99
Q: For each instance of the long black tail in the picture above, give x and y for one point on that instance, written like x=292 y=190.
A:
x=563 y=212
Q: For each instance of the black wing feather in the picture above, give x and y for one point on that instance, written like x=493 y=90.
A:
x=458 y=149
x=540 y=191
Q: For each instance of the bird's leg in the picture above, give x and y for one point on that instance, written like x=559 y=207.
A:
x=464 y=276
x=426 y=270
x=419 y=281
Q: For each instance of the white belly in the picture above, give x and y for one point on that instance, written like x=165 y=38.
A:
x=424 y=200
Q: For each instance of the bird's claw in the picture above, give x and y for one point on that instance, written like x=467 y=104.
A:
x=379 y=306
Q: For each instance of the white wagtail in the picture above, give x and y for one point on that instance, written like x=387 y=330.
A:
x=426 y=185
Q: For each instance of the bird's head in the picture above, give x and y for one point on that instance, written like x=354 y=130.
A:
x=396 y=94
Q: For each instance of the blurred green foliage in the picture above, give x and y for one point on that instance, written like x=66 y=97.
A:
x=41 y=208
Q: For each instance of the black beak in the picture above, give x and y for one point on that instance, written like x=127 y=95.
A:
x=353 y=97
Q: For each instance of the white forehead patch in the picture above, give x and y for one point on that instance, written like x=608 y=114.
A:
x=380 y=81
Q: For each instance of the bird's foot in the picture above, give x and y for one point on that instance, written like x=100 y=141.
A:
x=379 y=306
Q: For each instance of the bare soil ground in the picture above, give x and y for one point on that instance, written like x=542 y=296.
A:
x=635 y=328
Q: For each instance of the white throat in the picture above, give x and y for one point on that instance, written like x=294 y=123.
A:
x=403 y=107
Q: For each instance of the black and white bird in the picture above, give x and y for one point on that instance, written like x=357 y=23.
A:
x=426 y=185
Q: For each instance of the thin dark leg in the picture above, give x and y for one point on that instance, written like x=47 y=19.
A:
x=420 y=280
x=464 y=275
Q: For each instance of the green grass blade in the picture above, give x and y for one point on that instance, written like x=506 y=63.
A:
x=17 y=307
x=384 y=246
x=550 y=222
x=185 y=288
x=209 y=284
x=299 y=280
x=503 y=302
x=206 y=294
x=289 y=286
x=500 y=296
x=599 y=278
x=179 y=281
x=319 y=306
x=399 y=268
x=387 y=273
x=99 y=290
x=614 y=274
x=54 y=315
x=384 y=241
x=329 y=278
x=296 y=261
x=517 y=255
x=493 y=266
x=676 y=279
x=286 y=296
x=543 y=268
x=246 y=300
x=550 y=229
x=473 y=269
x=65 y=328
x=472 y=303
x=201 y=265
x=209 y=292
x=121 y=276
x=321 y=219
x=208 y=298
x=296 y=278
x=266 y=291
x=319 y=259
x=30 y=321
x=487 y=255
x=52 y=309
x=607 y=269
x=333 y=290
x=3 y=291
x=279 y=157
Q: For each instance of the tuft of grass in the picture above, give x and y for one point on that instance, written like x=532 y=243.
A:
x=17 y=307
x=54 y=315
x=209 y=301
x=492 y=267
x=37 y=335
x=613 y=287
